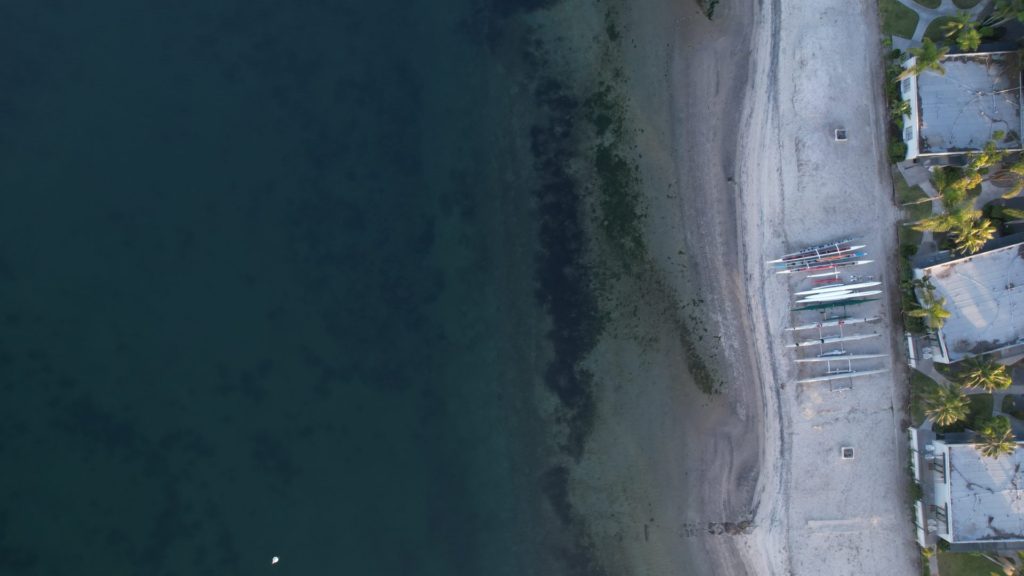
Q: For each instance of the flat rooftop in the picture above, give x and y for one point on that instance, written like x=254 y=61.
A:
x=985 y=295
x=961 y=110
x=986 y=495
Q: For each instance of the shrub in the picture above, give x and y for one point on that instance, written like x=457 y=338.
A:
x=897 y=151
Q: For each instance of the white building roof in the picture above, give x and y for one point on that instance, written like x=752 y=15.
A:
x=961 y=110
x=986 y=495
x=985 y=295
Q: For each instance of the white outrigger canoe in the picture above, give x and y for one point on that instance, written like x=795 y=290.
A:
x=837 y=287
x=844 y=321
x=811 y=256
x=830 y=340
x=847 y=356
x=837 y=374
x=814 y=250
x=824 y=266
x=840 y=295
x=833 y=267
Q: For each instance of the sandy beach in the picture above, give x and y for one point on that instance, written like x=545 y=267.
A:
x=739 y=164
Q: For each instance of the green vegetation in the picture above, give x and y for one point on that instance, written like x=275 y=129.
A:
x=958 y=188
x=929 y=3
x=965 y=4
x=964 y=564
x=915 y=203
x=618 y=178
x=1014 y=406
x=897 y=19
x=997 y=437
x=937 y=29
x=927 y=57
x=931 y=309
x=897 y=151
x=964 y=30
x=921 y=387
x=984 y=374
x=1005 y=11
x=979 y=410
x=947 y=406
x=909 y=240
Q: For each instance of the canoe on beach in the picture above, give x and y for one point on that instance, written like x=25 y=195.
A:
x=819 y=249
x=839 y=295
x=825 y=266
x=833 y=357
x=831 y=322
x=831 y=340
x=837 y=287
x=827 y=305
x=837 y=374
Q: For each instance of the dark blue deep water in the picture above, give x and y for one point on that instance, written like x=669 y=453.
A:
x=274 y=281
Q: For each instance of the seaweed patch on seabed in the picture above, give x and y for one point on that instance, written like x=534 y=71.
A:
x=564 y=286
x=622 y=211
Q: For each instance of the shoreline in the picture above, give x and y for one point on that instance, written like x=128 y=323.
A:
x=729 y=117
x=670 y=474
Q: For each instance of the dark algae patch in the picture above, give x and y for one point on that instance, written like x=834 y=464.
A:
x=563 y=279
x=618 y=180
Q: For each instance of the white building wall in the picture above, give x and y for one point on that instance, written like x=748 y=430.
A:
x=908 y=89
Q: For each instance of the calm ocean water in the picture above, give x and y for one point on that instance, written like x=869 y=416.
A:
x=268 y=286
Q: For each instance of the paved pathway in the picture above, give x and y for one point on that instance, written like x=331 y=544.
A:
x=927 y=15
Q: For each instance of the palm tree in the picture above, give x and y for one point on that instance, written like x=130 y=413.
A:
x=932 y=310
x=986 y=375
x=988 y=157
x=972 y=235
x=965 y=30
x=997 y=438
x=927 y=57
x=947 y=405
x=969 y=39
x=954 y=194
x=1014 y=213
x=956 y=219
x=1005 y=11
x=900 y=108
x=936 y=223
x=1011 y=566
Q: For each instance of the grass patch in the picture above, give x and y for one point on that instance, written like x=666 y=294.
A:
x=965 y=4
x=935 y=29
x=964 y=564
x=910 y=240
x=929 y=3
x=920 y=387
x=897 y=19
x=906 y=194
x=1014 y=406
x=909 y=237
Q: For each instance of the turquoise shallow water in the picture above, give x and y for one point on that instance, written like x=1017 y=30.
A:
x=268 y=287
